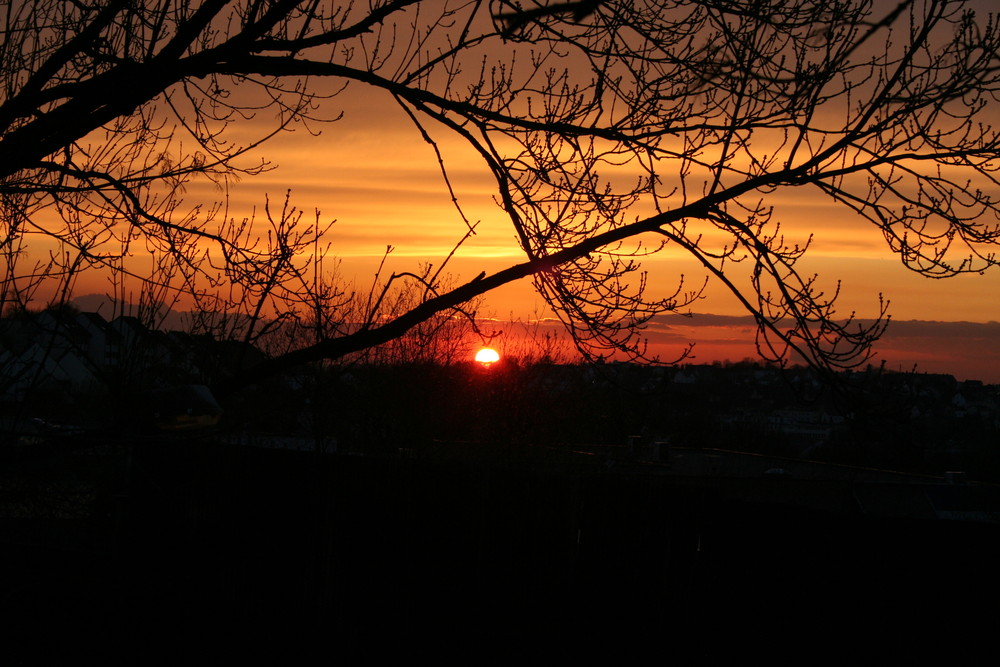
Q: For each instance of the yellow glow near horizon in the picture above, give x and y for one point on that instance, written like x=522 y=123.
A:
x=487 y=356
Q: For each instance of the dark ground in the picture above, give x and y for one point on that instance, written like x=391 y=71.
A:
x=187 y=551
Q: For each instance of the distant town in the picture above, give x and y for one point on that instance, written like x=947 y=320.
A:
x=67 y=370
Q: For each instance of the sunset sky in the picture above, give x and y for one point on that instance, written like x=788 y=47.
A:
x=372 y=172
x=374 y=175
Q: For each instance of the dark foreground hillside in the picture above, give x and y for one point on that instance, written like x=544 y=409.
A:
x=187 y=552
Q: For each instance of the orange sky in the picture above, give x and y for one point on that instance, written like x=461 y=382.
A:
x=378 y=179
x=381 y=183
x=372 y=173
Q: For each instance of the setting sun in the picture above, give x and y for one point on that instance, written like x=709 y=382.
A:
x=487 y=356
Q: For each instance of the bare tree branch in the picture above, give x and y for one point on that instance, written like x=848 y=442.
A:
x=612 y=129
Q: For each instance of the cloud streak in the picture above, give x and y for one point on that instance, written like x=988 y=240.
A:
x=968 y=350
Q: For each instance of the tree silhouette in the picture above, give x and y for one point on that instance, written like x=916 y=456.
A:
x=612 y=130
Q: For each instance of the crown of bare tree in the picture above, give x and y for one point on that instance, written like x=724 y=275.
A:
x=612 y=130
